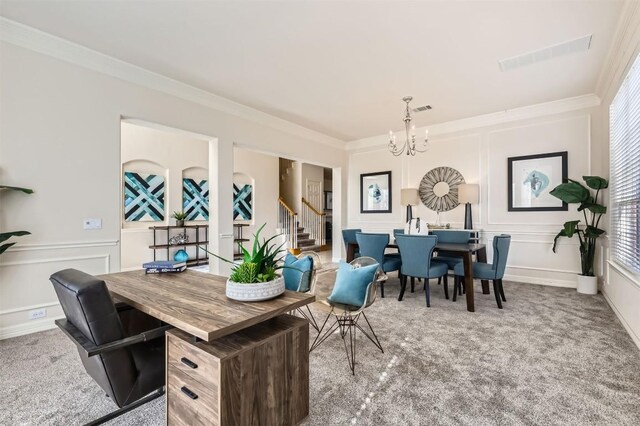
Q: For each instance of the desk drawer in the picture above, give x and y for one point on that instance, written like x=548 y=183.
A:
x=189 y=401
x=193 y=361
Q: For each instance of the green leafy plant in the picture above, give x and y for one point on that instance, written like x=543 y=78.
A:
x=574 y=192
x=259 y=265
x=4 y=236
x=179 y=215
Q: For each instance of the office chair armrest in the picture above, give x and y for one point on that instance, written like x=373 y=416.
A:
x=91 y=349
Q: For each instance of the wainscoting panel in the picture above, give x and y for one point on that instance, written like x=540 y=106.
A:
x=25 y=272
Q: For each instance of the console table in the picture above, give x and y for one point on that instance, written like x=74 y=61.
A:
x=228 y=362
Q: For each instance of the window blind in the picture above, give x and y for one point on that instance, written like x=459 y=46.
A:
x=624 y=115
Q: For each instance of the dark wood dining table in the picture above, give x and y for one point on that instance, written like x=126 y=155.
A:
x=466 y=251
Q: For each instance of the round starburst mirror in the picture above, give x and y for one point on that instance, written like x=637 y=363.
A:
x=438 y=189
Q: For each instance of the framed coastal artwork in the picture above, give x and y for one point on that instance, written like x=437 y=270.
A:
x=531 y=179
x=375 y=192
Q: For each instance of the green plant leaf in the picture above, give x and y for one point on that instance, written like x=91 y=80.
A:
x=17 y=188
x=595 y=182
x=569 y=230
x=597 y=208
x=555 y=240
x=6 y=235
x=571 y=192
x=4 y=247
x=593 y=232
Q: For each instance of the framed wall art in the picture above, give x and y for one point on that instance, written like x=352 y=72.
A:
x=242 y=202
x=195 y=199
x=143 y=197
x=375 y=192
x=532 y=177
x=328 y=200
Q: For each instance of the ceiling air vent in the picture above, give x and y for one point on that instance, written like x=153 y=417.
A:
x=422 y=108
x=581 y=44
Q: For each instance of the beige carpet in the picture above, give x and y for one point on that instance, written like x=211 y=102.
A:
x=550 y=357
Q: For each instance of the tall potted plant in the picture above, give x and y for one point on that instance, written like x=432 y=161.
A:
x=255 y=278
x=574 y=192
x=4 y=236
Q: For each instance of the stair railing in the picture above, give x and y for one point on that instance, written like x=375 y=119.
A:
x=313 y=222
x=288 y=223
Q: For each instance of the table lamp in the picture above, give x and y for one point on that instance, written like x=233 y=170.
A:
x=468 y=193
x=409 y=197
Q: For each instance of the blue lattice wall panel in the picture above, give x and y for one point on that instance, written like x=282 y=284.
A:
x=242 y=202
x=195 y=199
x=143 y=197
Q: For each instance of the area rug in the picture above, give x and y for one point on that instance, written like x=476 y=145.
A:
x=551 y=357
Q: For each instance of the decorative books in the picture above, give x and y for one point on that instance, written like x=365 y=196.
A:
x=162 y=266
x=164 y=270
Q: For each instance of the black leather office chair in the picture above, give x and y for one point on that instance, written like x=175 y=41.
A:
x=121 y=348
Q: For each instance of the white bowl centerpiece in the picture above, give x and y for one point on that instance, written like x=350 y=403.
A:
x=255 y=279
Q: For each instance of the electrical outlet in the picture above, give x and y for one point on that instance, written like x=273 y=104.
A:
x=92 y=224
x=37 y=313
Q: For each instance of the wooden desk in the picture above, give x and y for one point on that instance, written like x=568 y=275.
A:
x=238 y=340
x=465 y=251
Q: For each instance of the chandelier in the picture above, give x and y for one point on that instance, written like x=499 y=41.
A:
x=410 y=143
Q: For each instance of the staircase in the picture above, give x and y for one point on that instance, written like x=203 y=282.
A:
x=306 y=243
x=306 y=234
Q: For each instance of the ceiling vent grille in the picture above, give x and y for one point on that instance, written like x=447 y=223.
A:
x=422 y=108
x=581 y=44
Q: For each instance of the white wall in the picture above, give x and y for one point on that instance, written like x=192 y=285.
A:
x=315 y=173
x=173 y=155
x=480 y=155
x=60 y=134
x=263 y=170
x=620 y=286
x=291 y=186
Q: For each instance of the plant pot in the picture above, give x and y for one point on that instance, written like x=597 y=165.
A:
x=179 y=222
x=255 y=292
x=587 y=285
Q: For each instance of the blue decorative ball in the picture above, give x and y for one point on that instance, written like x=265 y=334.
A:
x=181 y=256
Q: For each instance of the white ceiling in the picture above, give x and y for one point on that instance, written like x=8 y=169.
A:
x=342 y=67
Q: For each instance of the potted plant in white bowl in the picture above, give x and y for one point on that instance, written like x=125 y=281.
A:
x=255 y=278
x=574 y=192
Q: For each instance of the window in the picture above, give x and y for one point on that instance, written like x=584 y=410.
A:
x=624 y=115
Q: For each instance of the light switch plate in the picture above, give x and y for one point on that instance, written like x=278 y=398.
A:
x=92 y=224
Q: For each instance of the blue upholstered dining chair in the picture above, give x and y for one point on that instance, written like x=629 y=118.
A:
x=416 y=252
x=349 y=237
x=398 y=231
x=486 y=271
x=453 y=237
x=373 y=246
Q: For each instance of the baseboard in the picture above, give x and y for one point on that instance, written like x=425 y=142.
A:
x=540 y=281
x=634 y=336
x=27 y=328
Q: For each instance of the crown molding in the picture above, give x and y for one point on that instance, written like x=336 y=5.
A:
x=623 y=50
x=485 y=120
x=39 y=41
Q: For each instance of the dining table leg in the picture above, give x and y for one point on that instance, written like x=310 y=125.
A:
x=468 y=281
x=482 y=257
x=351 y=252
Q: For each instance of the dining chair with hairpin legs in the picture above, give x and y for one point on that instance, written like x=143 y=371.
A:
x=347 y=318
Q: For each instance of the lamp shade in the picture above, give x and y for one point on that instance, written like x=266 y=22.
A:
x=468 y=193
x=409 y=197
